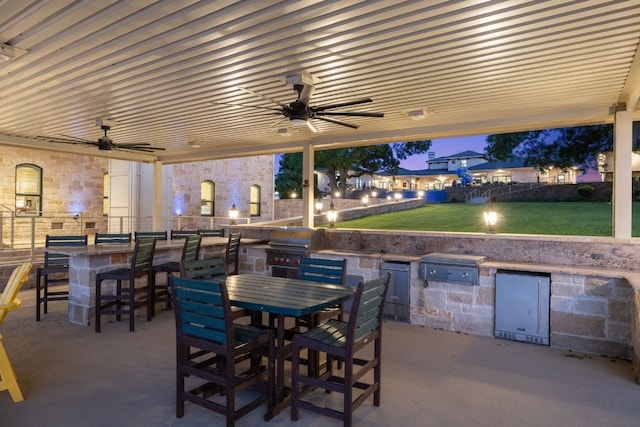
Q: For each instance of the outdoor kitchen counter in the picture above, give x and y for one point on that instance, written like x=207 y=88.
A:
x=87 y=261
x=633 y=277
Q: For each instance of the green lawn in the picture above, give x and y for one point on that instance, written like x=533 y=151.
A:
x=568 y=218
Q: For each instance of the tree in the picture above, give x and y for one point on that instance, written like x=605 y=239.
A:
x=345 y=163
x=289 y=177
x=562 y=148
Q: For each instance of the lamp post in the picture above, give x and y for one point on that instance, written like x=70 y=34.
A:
x=319 y=206
x=332 y=215
x=233 y=214
x=365 y=201
x=490 y=219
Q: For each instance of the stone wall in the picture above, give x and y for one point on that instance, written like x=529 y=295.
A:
x=531 y=192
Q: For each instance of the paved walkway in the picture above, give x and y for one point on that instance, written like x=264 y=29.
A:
x=71 y=376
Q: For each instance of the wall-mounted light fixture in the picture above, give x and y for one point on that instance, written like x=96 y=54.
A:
x=319 y=206
x=332 y=215
x=233 y=214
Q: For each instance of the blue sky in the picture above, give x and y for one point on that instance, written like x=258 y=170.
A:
x=446 y=147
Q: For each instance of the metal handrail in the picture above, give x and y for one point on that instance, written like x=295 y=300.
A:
x=29 y=232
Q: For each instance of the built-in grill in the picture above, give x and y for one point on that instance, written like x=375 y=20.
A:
x=288 y=245
x=452 y=268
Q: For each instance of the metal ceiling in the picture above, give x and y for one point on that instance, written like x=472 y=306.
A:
x=475 y=67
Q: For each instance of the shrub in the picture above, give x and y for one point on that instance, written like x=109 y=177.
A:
x=585 y=192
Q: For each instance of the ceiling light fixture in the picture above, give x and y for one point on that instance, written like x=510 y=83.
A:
x=417 y=114
x=284 y=132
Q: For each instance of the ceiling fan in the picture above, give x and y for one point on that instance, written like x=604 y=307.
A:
x=104 y=143
x=299 y=112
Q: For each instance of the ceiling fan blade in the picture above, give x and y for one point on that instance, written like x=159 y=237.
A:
x=338 y=122
x=277 y=122
x=264 y=97
x=78 y=139
x=311 y=127
x=66 y=141
x=350 y=113
x=138 y=146
x=305 y=94
x=341 y=104
x=246 y=106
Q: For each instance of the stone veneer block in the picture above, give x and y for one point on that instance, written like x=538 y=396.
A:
x=577 y=324
x=473 y=323
x=598 y=286
x=620 y=311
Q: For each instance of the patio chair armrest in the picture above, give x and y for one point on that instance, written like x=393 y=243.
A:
x=11 y=306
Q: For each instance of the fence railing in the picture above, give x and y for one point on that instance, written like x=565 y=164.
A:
x=27 y=233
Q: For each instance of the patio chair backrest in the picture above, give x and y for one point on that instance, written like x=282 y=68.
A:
x=204 y=269
x=368 y=306
x=232 y=253
x=329 y=271
x=181 y=234
x=219 y=232
x=142 y=259
x=52 y=259
x=112 y=238
x=159 y=235
x=202 y=309
x=191 y=248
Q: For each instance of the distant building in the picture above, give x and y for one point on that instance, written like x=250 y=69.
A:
x=472 y=168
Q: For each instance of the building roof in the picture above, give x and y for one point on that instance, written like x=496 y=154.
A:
x=500 y=164
x=462 y=155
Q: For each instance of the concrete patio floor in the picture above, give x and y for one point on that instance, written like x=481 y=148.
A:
x=71 y=376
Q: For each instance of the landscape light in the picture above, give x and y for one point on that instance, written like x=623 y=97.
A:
x=490 y=219
x=332 y=215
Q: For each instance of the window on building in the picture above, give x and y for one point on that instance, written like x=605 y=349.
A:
x=254 y=200
x=560 y=178
x=463 y=163
x=105 y=194
x=28 y=190
x=207 y=198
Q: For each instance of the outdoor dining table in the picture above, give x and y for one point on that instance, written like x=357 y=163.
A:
x=283 y=297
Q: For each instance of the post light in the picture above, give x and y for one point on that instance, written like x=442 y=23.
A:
x=332 y=215
x=374 y=194
x=397 y=196
x=365 y=201
x=233 y=214
x=336 y=194
x=319 y=206
x=490 y=219
x=294 y=194
x=421 y=194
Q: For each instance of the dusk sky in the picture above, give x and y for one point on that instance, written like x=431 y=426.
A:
x=446 y=147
